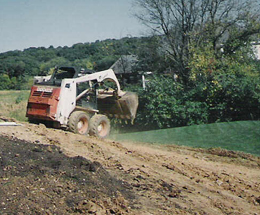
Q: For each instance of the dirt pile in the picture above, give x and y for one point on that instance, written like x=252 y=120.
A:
x=122 y=178
x=38 y=179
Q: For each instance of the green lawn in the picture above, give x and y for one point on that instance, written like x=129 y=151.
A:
x=238 y=136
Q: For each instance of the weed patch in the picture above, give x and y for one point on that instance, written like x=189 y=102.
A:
x=13 y=104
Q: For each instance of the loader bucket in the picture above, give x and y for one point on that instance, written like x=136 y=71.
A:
x=124 y=107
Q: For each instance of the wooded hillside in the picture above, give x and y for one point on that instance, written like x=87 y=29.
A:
x=16 y=67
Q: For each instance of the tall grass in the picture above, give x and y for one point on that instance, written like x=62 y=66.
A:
x=13 y=104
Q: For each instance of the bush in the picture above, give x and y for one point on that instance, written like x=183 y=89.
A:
x=239 y=97
x=5 y=82
x=229 y=91
x=167 y=104
x=229 y=85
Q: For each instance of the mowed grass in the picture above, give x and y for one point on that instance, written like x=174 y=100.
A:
x=237 y=136
x=13 y=104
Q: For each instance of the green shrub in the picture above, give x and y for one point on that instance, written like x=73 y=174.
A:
x=230 y=91
x=5 y=82
x=166 y=103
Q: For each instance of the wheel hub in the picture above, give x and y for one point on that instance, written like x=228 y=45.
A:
x=80 y=124
x=100 y=127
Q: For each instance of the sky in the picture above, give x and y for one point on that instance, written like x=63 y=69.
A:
x=42 y=23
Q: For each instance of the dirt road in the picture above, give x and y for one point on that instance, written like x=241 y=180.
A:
x=158 y=179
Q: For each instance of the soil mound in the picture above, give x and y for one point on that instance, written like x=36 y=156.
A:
x=52 y=171
x=40 y=179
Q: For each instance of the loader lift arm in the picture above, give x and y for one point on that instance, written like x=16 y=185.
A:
x=101 y=77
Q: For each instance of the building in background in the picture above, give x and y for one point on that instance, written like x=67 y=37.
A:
x=256 y=47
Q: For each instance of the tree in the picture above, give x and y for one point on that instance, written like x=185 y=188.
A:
x=5 y=82
x=222 y=23
x=229 y=86
x=58 y=61
x=149 y=57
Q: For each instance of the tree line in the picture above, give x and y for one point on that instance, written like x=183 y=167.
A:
x=18 y=67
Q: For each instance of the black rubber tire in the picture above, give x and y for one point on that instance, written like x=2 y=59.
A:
x=56 y=125
x=99 y=126
x=79 y=122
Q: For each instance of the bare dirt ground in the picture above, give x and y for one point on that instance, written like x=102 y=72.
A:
x=51 y=171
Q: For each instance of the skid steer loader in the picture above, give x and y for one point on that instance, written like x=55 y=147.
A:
x=81 y=102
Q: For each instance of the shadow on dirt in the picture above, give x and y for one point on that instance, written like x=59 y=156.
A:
x=40 y=179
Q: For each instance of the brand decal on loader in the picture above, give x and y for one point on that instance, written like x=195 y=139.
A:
x=45 y=89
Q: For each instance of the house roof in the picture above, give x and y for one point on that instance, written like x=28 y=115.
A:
x=124 y=64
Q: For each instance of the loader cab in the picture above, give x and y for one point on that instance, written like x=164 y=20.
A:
x=96 y=91
x=62 y=73
x=59 y=74
x=89 y=99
